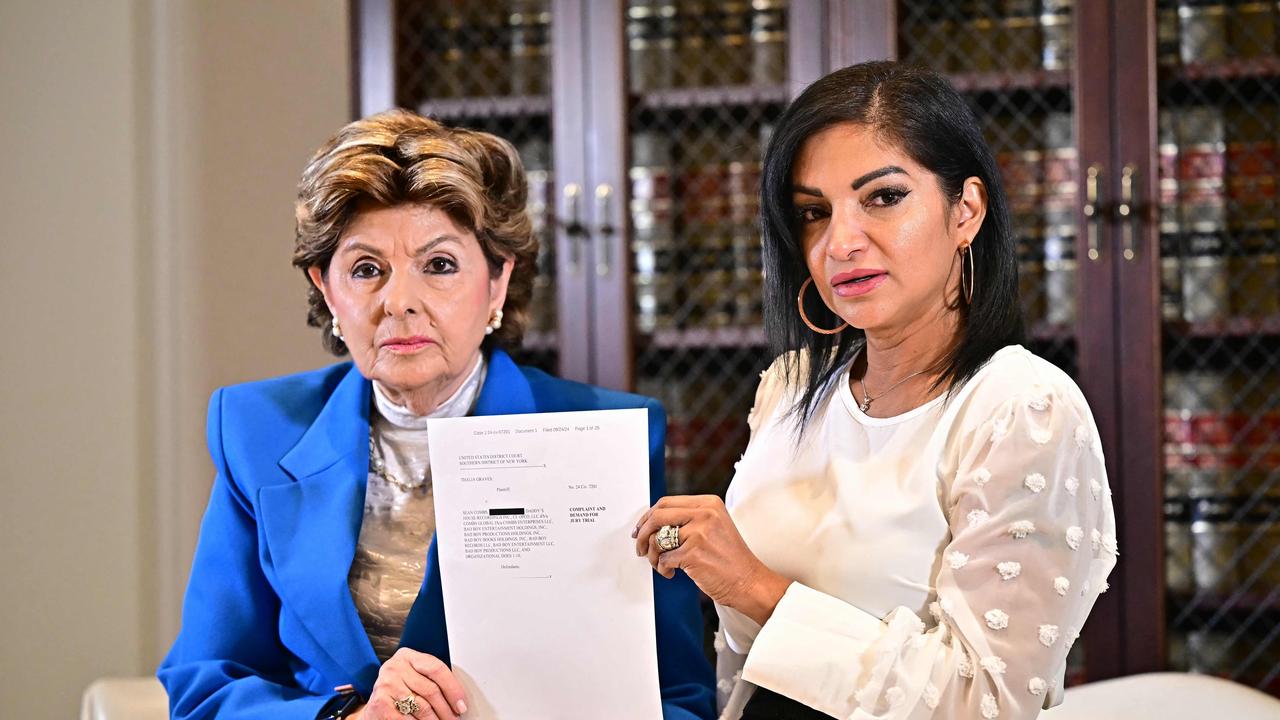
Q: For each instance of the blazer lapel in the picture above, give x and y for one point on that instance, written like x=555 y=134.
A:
x=506 y=391
x=311 y=527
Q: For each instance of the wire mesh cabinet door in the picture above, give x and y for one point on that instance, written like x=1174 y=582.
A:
x=678 y=146
x=1200 y=288
x=512 y=68
x=1016 y=63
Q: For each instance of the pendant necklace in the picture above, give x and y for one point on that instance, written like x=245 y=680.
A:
x=867 y=399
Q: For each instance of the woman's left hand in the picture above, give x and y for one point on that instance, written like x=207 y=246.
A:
x=712 y=553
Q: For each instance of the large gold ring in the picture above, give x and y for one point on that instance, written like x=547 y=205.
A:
x=406 y=705
x=668 y=537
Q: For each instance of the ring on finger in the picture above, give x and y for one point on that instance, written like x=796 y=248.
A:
x=407 y=705
x=668 y=537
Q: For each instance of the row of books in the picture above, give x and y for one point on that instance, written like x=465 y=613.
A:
x=1222 y=431
x=696 y=239
x=1003 y=35
x=503 y=48
x=1219 y=243
x=1217 y=544
x=990 y=35
x=1039 y=166
x=1190 y=32
x=693 y=44
x=473 y=49
x=1222 y=479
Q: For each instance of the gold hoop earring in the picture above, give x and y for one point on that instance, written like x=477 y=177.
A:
x=805 y=317
x=966 y=258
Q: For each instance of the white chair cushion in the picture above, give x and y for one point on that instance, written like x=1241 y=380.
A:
x=1165 y=696
x=125 y=699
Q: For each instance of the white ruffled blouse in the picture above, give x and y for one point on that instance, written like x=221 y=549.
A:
x=944 y=560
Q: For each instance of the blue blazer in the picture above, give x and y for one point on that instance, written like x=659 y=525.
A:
x=269 y=627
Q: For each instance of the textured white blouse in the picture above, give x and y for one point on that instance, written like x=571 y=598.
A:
x=391 y=553
x=944 y=559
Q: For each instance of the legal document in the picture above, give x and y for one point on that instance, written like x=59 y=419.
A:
x=549 y=611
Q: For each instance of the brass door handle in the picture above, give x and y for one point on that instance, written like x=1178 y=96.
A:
x=1127 y=212
x=573 y=224
x=604 y=233
x=1093 y=211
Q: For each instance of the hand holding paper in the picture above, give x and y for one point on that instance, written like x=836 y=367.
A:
x=549 y=611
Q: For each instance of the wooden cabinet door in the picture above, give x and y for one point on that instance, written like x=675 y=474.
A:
x=1198 y=280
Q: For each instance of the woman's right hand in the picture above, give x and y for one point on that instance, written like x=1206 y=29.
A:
x=426 y=678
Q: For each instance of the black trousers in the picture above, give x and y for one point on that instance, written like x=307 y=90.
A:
x=769 y=705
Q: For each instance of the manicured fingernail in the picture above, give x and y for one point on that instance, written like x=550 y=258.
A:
x=462 y=707
x=634 y=533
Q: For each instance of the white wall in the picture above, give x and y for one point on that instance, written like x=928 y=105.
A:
x=149 y=151
x=71 y=400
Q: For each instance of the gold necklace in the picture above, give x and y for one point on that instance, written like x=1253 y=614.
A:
x=865 y=405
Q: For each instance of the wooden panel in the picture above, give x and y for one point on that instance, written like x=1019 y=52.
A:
x=568 y=127
x=606 y=173
x=373 y=47
x=1105 y=632
x=1139 y=353
x=861 y=30
x=807 y=61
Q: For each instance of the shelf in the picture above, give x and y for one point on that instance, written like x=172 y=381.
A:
x=723 y=337
x=1009 y=81
x=1228 y=327
x=511 y=106
x=712 y=97
x=1244 y=68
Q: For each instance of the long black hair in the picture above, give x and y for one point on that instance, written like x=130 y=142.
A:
x=921 y=113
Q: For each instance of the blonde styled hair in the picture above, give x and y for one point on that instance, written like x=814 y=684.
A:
x=401 y=158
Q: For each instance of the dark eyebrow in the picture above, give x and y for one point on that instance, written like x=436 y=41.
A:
x=874 y=174
x=806 y=190
x=426 y=248
x=433 y=243
x=361 y=247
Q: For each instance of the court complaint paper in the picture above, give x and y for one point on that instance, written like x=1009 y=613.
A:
x=549 y=611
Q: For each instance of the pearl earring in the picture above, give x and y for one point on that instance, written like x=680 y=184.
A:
x=495 y=322
x=337 y=331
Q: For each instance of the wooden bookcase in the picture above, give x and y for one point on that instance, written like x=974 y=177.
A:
x=1138 y=141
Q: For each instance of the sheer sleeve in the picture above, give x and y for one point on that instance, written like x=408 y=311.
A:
x=1032 y=542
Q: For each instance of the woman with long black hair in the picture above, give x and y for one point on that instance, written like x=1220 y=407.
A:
x=921 y=522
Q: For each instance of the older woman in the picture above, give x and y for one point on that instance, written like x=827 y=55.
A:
x=316 y=567
x=921 y=521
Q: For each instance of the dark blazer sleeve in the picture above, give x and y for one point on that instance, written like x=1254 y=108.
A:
x=683 y=671
x=228 y=661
